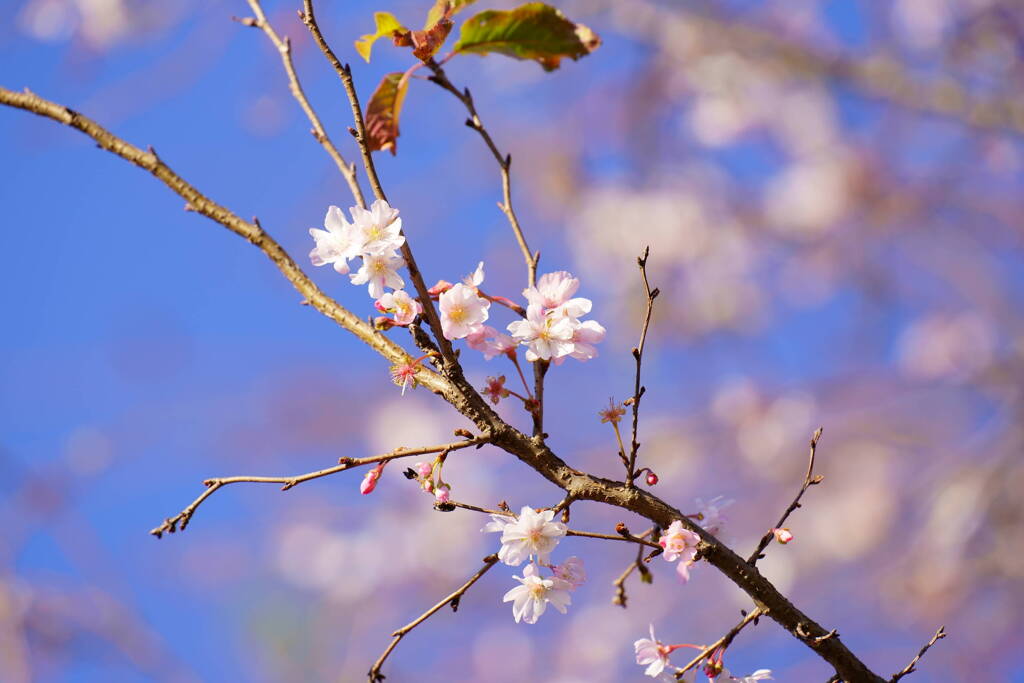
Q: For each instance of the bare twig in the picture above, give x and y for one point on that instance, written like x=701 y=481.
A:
x=284 y=48
x=181 y=520
x=809 y=480
x=637 y=564
x=609 y=537
x=638 y=355
x=345 y=73
x=722 y=642
x=911 y=668
x=451 y=599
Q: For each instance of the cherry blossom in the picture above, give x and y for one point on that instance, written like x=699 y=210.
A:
x=498 y=523
x=572 y=572
x=379 y=271
x=337 y=244
x=531 y=598
x=379 y=228
x=490 y=342
x=545 y=337
x=552 y=290
x=401 y=305
x=404 y=374
x=495 y=389
x=710 y=513
x=653 y=653
x=759 y=675
x=533 y=534
x=442 y=494
x=424 y=470
x=584 y=336
x=476 y=278
x=462 y=311
x=679 y=544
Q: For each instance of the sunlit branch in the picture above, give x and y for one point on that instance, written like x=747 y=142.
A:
x=637 y=564
x=452 y=599
x=722 y=642
x=181 y=520
x=912 y=667
x=809 y=480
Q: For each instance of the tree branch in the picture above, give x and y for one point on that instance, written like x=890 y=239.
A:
x=284 y=48
x=809 y=481
x=251 y=231
x=181 y=520
x=638 y=355
x=451 y=599
x=722 y=642
x=912 y=667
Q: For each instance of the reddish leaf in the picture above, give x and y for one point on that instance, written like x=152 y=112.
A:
x=383 y=110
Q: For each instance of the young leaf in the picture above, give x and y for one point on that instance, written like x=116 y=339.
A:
x=427 y=42
x=532 y=31
x=382 y=112
x=387 y=25
x=441 y=7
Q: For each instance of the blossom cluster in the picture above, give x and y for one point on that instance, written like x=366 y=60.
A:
x=531 y=537
x=428 y=474
x=375 y=236
x=654 y=654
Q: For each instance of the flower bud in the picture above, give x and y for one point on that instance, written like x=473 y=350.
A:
x=424 y=469
x=442 y=494
x=370 y=480
x=652 y=478
x=783 y=536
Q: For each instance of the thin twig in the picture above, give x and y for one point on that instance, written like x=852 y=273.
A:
x=250 y=230
x=810 y=479
x=345 y=73
x=609 y=537
x=451 y=599
x=284 y=48
x=722 y=642
x=911 y=668
x=637 y=564
x=638 y=355
x=181 y=520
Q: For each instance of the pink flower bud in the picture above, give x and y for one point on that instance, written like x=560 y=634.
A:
x=783 y=536
x=427 y=485
x=370 y=480
x=652 y=478
x=441 y=287
x=442 y=494
x=424 y=469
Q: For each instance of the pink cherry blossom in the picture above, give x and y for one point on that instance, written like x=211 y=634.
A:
x=490 y=342
x=337 y=244
x=572 y=572
x=653 y=653
x=552 y=290
x=711 y=518
x=424 y=469
x=476 y=278
x=379 y=271
x=404 y=374
x=462 y=311
x=401 y=305
x=531 y=598
x=379 y=228
x=546 y=338
x=532 y=534
x=442 y=494
x=679 y=544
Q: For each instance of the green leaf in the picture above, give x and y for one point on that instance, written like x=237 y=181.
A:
x=438 y=10
x=387 y=25
x=383 y=110
x=534 y=31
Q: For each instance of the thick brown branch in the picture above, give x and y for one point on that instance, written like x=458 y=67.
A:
x=638 y=356
x=809 y=480
x=451 y=599
x=284 y=48
x=181 y=520
x=251 y=231
x=912 y=667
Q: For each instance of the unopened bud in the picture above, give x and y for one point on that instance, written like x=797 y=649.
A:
x=783 y=536
x=652 y=478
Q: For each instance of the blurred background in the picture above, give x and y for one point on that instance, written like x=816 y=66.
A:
x=833 y=194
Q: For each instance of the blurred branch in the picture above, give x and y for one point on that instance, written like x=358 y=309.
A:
x=722 y=642
x=809 y=480
x=284 y=48
x=181 y=520
x=911 y=668
x=345 y=73
x=638 y=355
x=251 y=231
x=451 y=599
x=878 y=76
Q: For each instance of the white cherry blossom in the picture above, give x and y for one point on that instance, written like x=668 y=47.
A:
x=545 y=337
x=552 y=290
x=401 y=305
x=531 y=598
x=680 y=544
x=490 y=342
x=337 y=244
x=759 y=675
x=379 y=271
x=653 y=653
x=533 y=534
x=379 y=228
